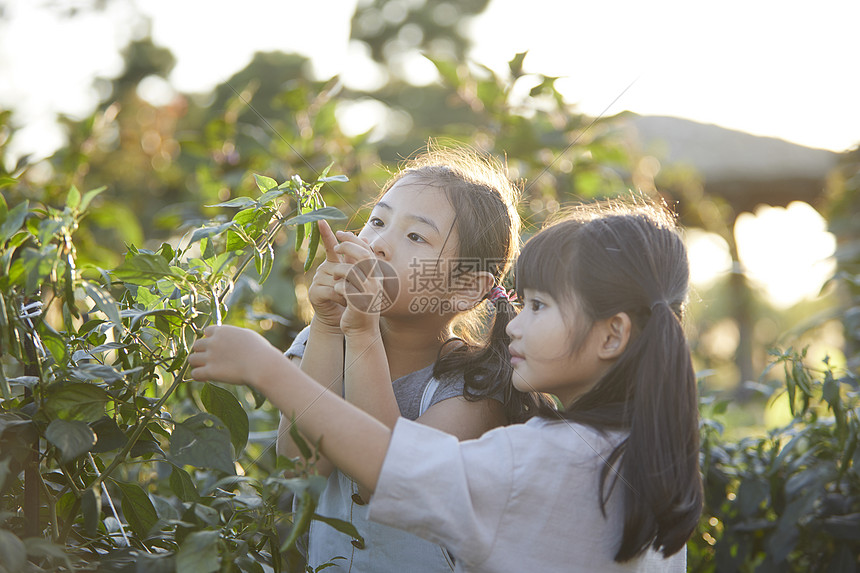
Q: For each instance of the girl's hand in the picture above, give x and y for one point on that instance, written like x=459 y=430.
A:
x=359 y=284
x=232 y=355
x=328 y=305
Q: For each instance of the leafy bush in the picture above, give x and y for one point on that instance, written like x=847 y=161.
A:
x=790 y=500
x=108 y=458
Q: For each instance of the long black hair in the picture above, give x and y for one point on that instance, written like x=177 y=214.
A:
x=618 y=258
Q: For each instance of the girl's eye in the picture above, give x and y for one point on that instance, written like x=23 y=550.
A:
x=535 y=305
x=375 y=222
x=416 y=237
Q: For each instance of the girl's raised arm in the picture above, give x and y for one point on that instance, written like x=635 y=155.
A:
x=367 y=378
x=353 y=440
x=323 y=356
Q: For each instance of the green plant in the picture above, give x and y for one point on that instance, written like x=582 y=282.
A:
x=790 y=500
x=109 y=458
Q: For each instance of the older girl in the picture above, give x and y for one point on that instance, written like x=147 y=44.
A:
x=440 y=239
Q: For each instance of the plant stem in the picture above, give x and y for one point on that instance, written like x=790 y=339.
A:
x=180 y=376
x=52 y=510
x=120 y=458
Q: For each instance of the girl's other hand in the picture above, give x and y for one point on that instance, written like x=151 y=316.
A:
x=231 y=355
x=328 y=305
x=359 y=284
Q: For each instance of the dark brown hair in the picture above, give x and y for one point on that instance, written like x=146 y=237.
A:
x=630 y=258
x=487 y=223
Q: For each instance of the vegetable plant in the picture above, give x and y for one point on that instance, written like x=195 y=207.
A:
x=110 y=458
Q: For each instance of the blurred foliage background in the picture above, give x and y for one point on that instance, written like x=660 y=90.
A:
x=163 y=165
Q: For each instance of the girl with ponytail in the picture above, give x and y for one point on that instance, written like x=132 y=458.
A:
x=606 y=481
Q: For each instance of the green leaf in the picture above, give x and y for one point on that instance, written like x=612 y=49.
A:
x=105 y=303
x=40 y=547
x=265 y=183
x=202 y=441
x=207 y=232
x=137 y=508
x=830 y=393
x=248 y=565
x=299 y=441
x=751 y=495
x=73 y=199
x=447 y=69
x=183 y=486
x=154 y=563
x=73 y=438
x=340 y=525
x=89 y=196
x=208 y=250
x=83 y=402
x=199 y=553
x=270 y=196
x=790 y=386
x=317 y=214
x=54 y=342
x=13 y=551
x=48 y=229
x=222 y=403
x=110 y=437
x=91 y=508
x=144 y=269
x=167 y=253
x=241 y=202
x=174 y=316
x=13 y=220
x=516 y=64
x=91 y=372
x=340 y=178
x=264 y=258
x=33 y=267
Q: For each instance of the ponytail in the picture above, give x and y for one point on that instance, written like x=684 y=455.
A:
x=662 y=488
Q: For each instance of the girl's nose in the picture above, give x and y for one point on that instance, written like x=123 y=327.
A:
x=373 y=236
x=512 y=327
x=378 y=244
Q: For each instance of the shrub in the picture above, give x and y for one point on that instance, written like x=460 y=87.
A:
x=790 y=500
x=109 y=458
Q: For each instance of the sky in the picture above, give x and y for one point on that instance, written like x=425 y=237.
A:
x=784 y=69
x=779 y=68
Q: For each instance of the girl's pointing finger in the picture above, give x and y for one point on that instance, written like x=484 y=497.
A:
x=328 y=240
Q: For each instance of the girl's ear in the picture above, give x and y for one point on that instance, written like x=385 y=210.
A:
x=614 y=335
x=471 y=288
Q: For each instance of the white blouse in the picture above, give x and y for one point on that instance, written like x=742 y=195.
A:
x=520 y=498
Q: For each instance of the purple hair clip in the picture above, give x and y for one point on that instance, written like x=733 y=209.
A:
x=499 y=292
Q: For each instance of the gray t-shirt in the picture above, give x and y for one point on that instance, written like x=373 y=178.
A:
x=386 y=549
x=408 y=389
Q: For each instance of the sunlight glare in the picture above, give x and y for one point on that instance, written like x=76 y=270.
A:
x=787 y=251
x=709 y=256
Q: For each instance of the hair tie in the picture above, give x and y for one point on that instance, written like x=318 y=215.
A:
x=499 y=293
x=658 y=303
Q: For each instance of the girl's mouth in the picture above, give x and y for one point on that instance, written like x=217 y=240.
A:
x=516 y=357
